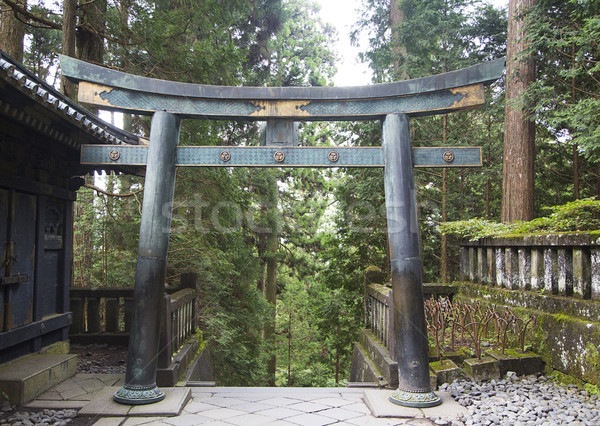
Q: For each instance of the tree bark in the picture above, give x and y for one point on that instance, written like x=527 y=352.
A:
x=398 y=50
x=12 y=31
x=444 y=240
x=68 y=42
x=92 y=23
x=519 y=129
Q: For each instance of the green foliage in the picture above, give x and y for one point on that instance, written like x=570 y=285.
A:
x=580 y=215
x=564 y=38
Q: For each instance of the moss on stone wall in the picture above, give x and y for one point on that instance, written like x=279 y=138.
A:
x=566 y=342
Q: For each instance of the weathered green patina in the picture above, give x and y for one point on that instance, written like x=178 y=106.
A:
x=392 y=103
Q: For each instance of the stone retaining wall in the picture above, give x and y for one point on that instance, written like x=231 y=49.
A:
x=554 y=277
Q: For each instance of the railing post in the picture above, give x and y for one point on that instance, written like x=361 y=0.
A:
x=464 y=263
x=537 y=269
x=524 y=269
x=565 y=271
x=472 y=264
x=414 y=388
x=491 y=266
x=140 y=377
x=112 y=315
x=93 y=315
x=595 y=270
x=127 y=313
x=165 y=345
x=511 y=265
x=77 y=304
x=550 y=271
x=582 y=277
x=500 y=269
x=482 y=265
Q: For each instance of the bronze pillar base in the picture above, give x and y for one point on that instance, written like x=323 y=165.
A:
x=138 y=395
x=422 y=399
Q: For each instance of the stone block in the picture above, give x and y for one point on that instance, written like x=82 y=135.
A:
x=482 y=369
x=446 y=371
x=506 y=362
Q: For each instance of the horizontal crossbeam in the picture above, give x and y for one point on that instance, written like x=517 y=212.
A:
x=227 y=156
x=442 y=93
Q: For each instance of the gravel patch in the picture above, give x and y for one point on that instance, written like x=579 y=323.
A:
x=526 y=401
x=39 y=417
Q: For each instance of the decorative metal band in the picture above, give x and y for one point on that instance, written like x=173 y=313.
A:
x=114 y=155
x=425 y=390
x=138 y=395
x=225 y=156
x=417 y=398
x=448 y=156
x=279 y=156
x=264 y=156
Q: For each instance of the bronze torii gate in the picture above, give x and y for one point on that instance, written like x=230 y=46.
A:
x=393 y=103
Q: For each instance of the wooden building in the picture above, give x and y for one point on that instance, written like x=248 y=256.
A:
x=41 y=132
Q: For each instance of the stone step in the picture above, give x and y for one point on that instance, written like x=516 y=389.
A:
x=25 y=378
x=380 y=356
x=363 y=368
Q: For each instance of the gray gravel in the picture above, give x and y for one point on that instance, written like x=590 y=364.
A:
x=526 y=401
x=42 y=417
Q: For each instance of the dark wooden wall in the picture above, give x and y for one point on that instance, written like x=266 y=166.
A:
x=36 y=225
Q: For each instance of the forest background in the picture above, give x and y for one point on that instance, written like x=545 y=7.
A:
x=280 y=253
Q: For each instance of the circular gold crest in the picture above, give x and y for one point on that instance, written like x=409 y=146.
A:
x=114 y=155
x=333 y=156
x=279 y=156
x=225 y=156
x=448 y=156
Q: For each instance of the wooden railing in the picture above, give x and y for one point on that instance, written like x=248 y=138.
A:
x=100 y=310
x=379 y=313
x=180 y=325
x=566 y=265
x=104 y=314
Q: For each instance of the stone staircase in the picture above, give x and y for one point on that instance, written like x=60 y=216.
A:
x=25 y=378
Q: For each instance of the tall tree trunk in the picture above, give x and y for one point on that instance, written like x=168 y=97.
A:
x=444 y=241
x=68 y=41
x=398 y=50
x=271 y=297
x=12 y=30
x=576 y=171
x=488 y=163
x=575 y=146
x=92 y=23
x=270 y=280
x=519 y=130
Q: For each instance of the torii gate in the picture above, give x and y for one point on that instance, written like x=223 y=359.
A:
x=393 y=103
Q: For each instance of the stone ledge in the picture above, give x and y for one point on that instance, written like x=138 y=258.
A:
x=378 y=402
x=27 y=377
x=103 y=404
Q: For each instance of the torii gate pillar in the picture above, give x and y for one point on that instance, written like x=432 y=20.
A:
x=410 y=349
x=142 y=354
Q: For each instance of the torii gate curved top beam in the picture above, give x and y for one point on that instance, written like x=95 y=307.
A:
x=115 y=90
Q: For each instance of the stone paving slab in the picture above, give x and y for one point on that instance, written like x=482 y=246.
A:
x=56 y=405
x=378 y=401
x=103 y=404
